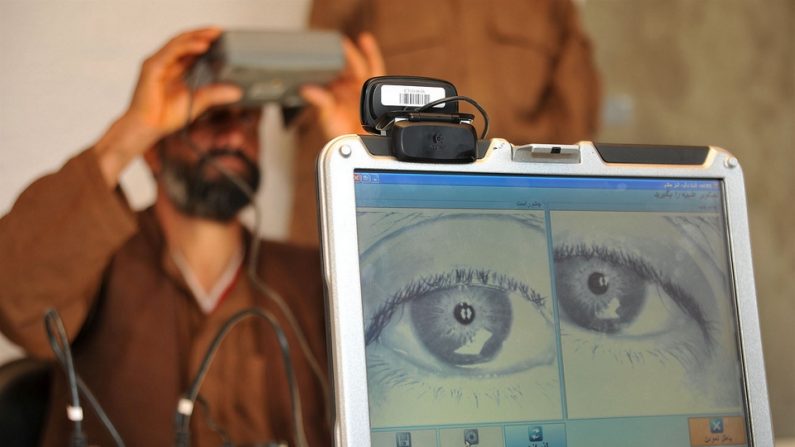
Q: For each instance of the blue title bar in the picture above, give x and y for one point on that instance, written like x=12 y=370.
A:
x=524 y=181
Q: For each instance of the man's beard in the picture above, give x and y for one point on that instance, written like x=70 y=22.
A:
x=199 y=189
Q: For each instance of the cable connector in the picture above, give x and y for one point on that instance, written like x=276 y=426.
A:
x=74 y=414
x=185 y=406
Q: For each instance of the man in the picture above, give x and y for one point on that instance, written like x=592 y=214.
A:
x=143 y=294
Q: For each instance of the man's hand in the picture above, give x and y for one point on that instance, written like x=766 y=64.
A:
x=160 y=102
x=338 y=103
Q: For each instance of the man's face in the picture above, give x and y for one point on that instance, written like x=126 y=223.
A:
x=223 y=138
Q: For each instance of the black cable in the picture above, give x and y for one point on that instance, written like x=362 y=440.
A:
x=208 y=419
x=64 y=357
x=482 y=111
x=74 y=411
x=186 y=403
x=103 y=417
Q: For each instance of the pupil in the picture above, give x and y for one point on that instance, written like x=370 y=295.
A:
x=598 y=283
x=464 y=313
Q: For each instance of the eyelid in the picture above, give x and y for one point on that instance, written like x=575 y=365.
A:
x=686 y=302
x=456 y=277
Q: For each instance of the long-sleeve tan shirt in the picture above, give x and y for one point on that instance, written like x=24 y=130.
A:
x=71 y=243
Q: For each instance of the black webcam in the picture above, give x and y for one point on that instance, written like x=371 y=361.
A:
x=420 y=118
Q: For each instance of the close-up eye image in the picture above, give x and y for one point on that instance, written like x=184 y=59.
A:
x=458 y=319
x=646 y=312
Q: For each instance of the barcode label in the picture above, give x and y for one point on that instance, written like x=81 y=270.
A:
x=415 y=99
x=407 y=95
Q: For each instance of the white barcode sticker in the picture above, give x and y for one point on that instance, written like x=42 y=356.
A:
x=410 y=95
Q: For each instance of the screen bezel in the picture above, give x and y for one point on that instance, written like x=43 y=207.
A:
x=345 y=155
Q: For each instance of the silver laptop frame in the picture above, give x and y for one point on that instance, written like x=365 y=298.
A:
x=340 y=253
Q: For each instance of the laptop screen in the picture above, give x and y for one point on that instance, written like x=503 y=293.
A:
x=533 y=311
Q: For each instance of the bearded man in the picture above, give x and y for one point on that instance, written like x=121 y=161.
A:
x=143 y=294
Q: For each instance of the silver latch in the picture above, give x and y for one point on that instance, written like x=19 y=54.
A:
x=546 y=153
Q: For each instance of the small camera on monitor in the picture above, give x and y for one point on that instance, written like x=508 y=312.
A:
x=420 y=118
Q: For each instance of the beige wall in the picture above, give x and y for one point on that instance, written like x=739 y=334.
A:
x=719 y=72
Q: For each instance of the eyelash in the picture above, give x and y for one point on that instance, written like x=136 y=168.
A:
x=682 y=299
x=456 y=277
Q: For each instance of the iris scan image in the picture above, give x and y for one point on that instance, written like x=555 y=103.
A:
x=646 y=317
x=459 y=323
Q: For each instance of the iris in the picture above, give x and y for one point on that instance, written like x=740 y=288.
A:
x=463 y=325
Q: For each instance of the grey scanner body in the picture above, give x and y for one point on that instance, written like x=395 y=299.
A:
x=271 y=66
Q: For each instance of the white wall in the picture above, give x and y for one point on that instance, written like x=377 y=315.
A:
x=68 y=68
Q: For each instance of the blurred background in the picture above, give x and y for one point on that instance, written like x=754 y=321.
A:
x=716 y=72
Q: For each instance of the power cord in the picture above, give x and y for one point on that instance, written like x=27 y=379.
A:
x=188 y=400
x=56 y=335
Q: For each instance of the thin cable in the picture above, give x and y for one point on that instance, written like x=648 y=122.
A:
x=56 y=334
x=482 y=111
x=185 y=407
x=52 y=317
x=251 y=270
x=208 y=419
x=103 y=417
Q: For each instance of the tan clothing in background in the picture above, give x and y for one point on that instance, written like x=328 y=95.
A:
x=527 y=62
x=71 y=243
